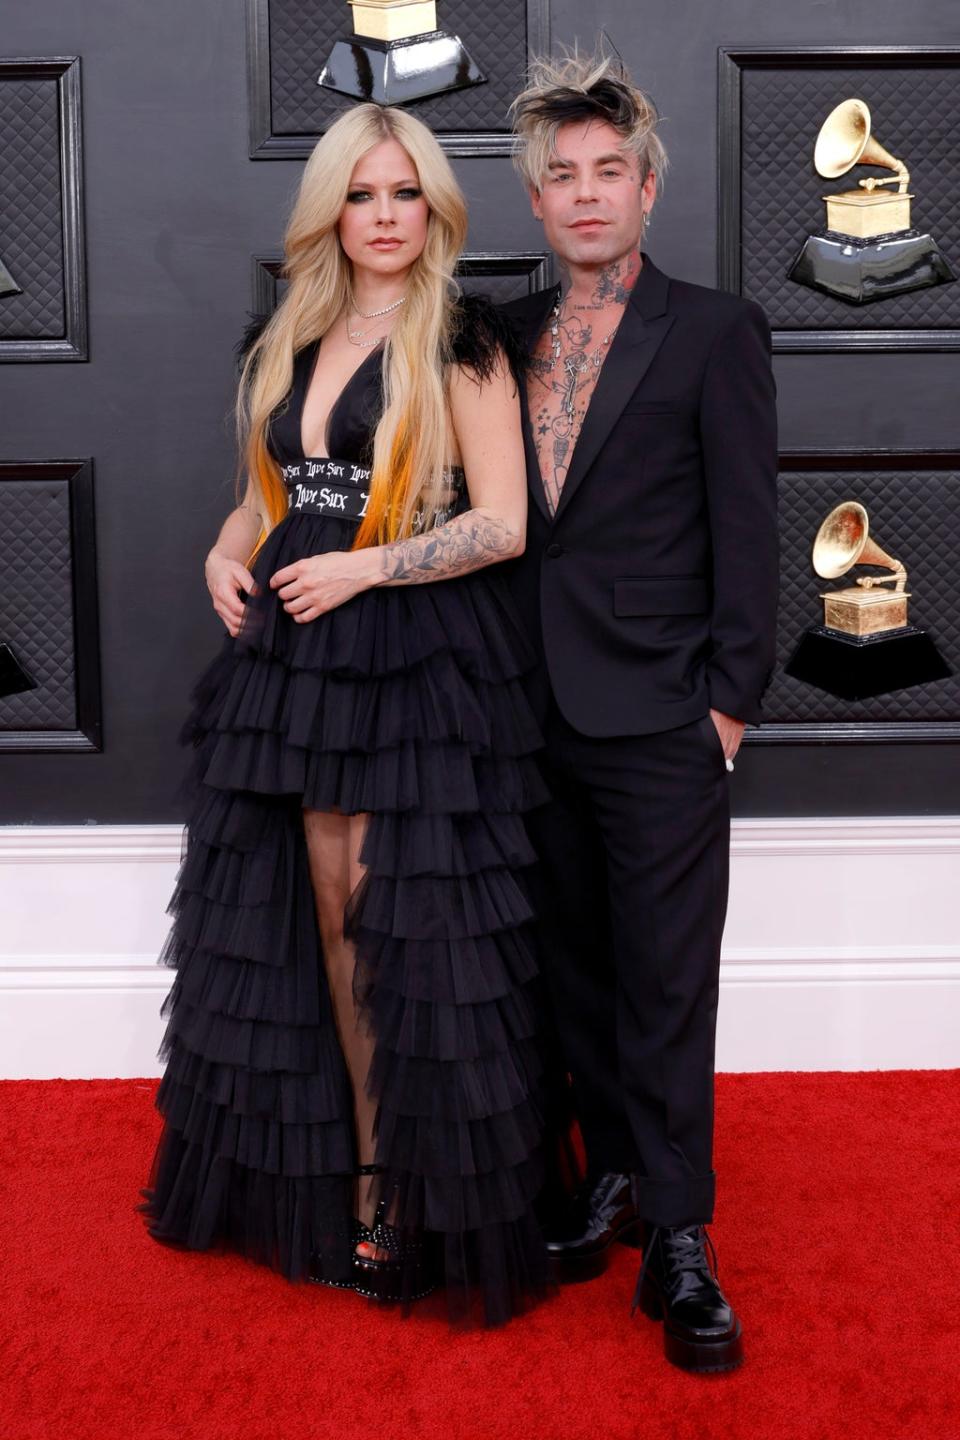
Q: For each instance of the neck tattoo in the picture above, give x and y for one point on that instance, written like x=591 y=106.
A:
x=612 y=284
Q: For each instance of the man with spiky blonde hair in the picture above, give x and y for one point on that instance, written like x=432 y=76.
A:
x=649 y=582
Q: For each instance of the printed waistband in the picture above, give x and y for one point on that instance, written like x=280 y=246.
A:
x=328 y=487
x=341 y=488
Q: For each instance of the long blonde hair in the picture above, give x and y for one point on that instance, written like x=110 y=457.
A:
x=411 y=445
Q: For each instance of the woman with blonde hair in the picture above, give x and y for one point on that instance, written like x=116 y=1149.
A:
x=352 y=1087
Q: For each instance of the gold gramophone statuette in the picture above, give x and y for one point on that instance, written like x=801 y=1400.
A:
x=868 y=249
x=397 y=54
x=866 y=646
x=393 y=19
x=846 y=140
x=864 y=608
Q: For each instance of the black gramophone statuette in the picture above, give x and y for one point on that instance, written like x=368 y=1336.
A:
x=13 y=678
x=397 y=54
x=866 y=645
x=869 y=249
x=8 y=286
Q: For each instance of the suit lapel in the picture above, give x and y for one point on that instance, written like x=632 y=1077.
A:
x=639 y=336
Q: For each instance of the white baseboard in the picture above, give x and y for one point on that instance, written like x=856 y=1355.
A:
x=841 y=952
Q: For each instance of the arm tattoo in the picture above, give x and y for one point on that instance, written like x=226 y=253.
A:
x=465 y=543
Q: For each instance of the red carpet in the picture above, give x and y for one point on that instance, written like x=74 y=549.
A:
x=837 y=1235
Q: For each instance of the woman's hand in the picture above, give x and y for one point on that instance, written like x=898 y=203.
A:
x=319 y=583
x=225 y=579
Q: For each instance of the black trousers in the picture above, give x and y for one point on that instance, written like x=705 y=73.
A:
x=631 y=894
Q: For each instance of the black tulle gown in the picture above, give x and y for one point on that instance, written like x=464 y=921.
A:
x=404 y=704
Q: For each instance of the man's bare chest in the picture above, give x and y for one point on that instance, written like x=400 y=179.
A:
x=565 y=367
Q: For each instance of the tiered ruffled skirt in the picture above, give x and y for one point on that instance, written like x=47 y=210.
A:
x=404 y=704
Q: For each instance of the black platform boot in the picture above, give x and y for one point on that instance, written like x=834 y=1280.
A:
x=676 y=1285
x=601 y=1211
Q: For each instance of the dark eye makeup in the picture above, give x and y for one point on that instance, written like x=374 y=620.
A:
x=407 y=192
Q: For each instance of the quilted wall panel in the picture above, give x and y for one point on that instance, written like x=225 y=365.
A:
x=36 y=602
x=915 y=114
x=500 y=287
x=31 y=236
x=915 y=517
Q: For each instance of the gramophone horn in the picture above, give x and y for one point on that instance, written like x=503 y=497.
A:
x=845 y=140
x=843 y=540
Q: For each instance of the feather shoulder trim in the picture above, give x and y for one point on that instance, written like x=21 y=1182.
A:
x=480 y=334
x=254 y=328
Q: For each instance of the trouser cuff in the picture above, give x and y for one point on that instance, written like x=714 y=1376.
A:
x=675 y=1202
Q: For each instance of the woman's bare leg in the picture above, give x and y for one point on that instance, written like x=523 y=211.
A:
x=333 y=848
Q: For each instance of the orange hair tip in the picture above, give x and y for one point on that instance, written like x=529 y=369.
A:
x=257 y=548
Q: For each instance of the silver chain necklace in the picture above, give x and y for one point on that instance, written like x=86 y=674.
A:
x=355 y=337
x=575 y=364
x=375 y=314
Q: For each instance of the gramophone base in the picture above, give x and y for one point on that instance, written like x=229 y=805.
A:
x=860 y=271
x=394 y=72
x=13 y=678
x=8 y=286
x=857 y=667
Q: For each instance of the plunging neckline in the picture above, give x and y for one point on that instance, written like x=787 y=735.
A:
x=309 y=371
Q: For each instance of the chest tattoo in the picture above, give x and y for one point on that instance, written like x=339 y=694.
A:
x=563 y=374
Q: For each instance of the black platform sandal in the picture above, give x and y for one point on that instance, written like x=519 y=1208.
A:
x=359 y=1234
x=406 y=1274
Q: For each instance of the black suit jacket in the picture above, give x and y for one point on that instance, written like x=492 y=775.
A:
x=652 y=593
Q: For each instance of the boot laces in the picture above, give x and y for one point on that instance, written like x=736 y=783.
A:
x=686 y=1260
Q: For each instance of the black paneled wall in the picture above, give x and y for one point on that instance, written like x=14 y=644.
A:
x=177 y=186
